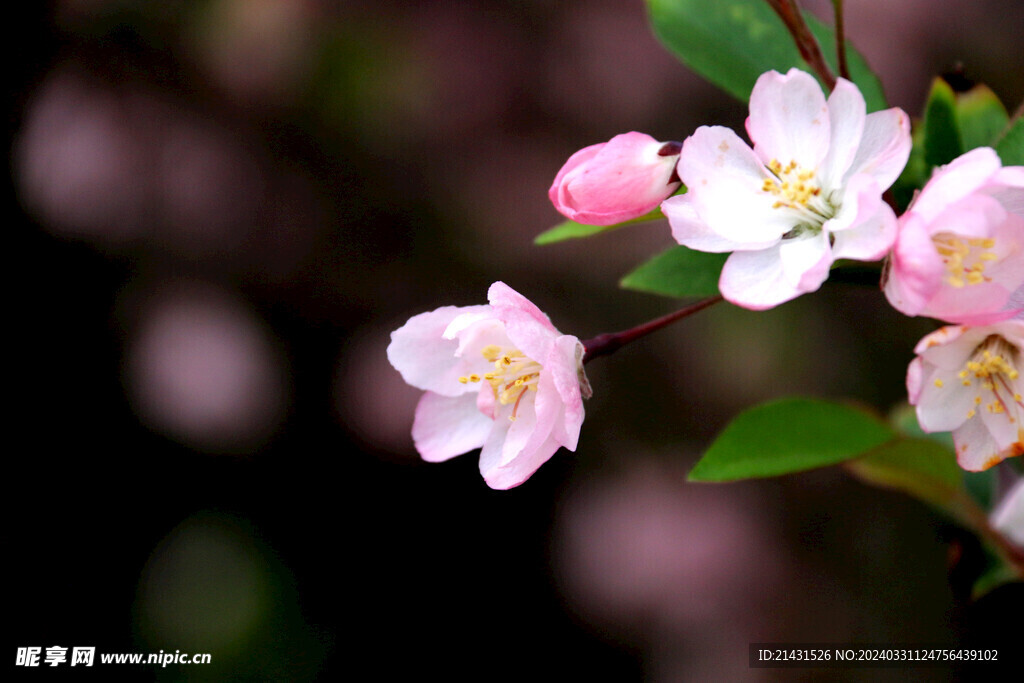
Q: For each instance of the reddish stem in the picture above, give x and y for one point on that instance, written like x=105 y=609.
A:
x=805 y=41
x=844 y=68
x=610 y=342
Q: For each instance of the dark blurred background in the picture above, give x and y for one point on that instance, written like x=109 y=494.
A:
x=220 y=209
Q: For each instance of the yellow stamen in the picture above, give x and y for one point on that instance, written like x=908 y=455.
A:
x=964 y=258
x=993 y=364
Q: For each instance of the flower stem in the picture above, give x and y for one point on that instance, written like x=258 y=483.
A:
x=844 y=68
x=610 y=342
x=805 y=41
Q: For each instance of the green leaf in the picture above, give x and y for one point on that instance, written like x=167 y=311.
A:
x=789 y=435
x=923 y=468
x=678 y=272
x=1011 y=145
x=732 y=42
x=860 y=72
x=942 y=141
x=981 y=486
x=980 y=117
x=997 y=572
x=569 y=230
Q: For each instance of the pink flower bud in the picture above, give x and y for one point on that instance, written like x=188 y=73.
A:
x=615 y=181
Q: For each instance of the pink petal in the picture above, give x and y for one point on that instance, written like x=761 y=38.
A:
x=1007 y=187
x=532 y=430
x=979 y=304
x=505 y=300
x=759 y=280
x=884 y=147
x=564 y=367
x=1008 y=270
x=975 y=215
x=915 y=270
x=789 y=119
x=950 y=353
x=954 y=181
x=505 y=461
x=445 y=427
x=1012 y=331
x=915 y=380
x=516 y=472
x=944 y=338
x=426 y=360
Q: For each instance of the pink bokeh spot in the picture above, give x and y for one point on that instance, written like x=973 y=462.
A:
x=203 y=369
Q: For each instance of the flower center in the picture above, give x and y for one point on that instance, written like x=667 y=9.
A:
x=993 y=370
x=795 y=188
x=965 y=258
x=513 y=375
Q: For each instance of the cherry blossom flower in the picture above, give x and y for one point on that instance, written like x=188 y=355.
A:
x=967 y=380
x=959 y=252
x=617 y=180
x=807 y=193
x=498 y=377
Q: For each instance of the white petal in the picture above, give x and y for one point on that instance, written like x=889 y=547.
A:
x=870 y=229
x=846 y=113
x=806 y=261
x=690 y=231
x=976 y=450
x=725 y=179
x=789 y=119
x=943 y=408
x=759 y=280
x=445 y=427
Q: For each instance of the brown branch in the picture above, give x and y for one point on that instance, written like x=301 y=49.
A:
x=805 y=41
x=610 y=342
x=844 y=67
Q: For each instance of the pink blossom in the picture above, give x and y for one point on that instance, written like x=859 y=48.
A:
x=959 y=252
x=617 y=180
x=967 y=380
x=498 y=377
x=807 y=193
